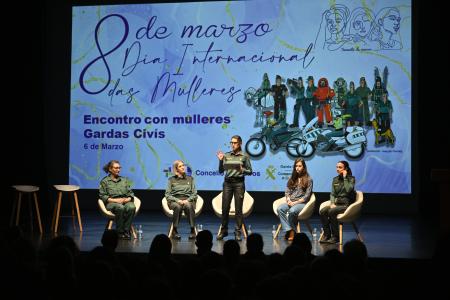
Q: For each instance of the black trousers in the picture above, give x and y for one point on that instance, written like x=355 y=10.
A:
x=279 y=104
x=230 y=188
x=188 y=209
x=328 y=217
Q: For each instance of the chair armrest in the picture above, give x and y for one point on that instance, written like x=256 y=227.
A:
x=324 y=204
x=277 y=203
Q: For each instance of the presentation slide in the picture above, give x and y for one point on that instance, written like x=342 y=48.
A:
x=318 y=80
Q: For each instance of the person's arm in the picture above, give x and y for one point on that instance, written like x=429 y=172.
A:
x=294 y=90
x=105 y=196
x=286 y=92
x=247 y=168
x=287 y=194
x=308 y=192
x=168 y=194
x=220 y=156
x=193 y=195
x=221 y=169
x=333 y=192
x=103 y=193
x=349 y=184
x=391 y=109
x=129 y=194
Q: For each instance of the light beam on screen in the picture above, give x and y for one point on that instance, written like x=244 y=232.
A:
x=152 y=83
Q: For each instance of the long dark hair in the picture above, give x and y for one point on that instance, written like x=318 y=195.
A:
x=109 y=164
x=304 y=176
x=347 y=166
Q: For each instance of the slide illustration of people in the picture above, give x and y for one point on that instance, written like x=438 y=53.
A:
x=359 y=30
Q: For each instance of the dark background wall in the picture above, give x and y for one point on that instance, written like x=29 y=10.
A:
x=36 y=96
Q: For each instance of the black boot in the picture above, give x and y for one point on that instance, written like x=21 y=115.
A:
x=192 y=235
x=223 y=233
x=175 y=234
x=237 y=235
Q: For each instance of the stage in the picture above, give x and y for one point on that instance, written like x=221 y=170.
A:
x=403 y=237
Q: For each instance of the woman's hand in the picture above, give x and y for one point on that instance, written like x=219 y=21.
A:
x=219 y=155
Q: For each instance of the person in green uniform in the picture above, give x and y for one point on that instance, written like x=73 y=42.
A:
x=363 y=92
x=352 y=104
x=298 y=91
x=310 y=100
x=116 y=193
x=377 y=94
x=181 y=196
x=384 y=113
x=235 y=164
x=342 y=195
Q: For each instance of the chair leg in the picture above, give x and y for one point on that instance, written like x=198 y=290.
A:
x=358 y=234
x=54 y=216
x=72 y=214
x=30 y=210
x=309 y=227
x=244 y=230
x=18 y=209
x=55 y=229
x=133 y=232
x=340 y=234
x=109 y=224
x=170 y=230
x=78 y=210
x=277 y=232
x=299 y=229
x=14 y=207
x=321 y=234
x=220 y=228
x=37 y=212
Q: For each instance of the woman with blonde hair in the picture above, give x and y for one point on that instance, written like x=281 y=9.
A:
x=181 y=196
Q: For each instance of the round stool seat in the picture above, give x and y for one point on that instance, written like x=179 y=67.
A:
x=67 y=188
x=26 y=188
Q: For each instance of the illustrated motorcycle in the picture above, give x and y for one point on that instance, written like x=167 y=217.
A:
x=351 y=140
x=276 y=136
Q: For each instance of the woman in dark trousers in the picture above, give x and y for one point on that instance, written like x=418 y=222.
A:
x=236 y=165
x=181 y=196
x=116 y=193
x=342 y=195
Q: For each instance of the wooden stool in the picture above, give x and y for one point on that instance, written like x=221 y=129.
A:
x=57 y=209
x=29 y=189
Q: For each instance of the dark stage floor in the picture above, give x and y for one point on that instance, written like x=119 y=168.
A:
x=385 y=236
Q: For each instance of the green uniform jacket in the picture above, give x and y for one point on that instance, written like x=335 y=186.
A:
x=181 y=188
x=385 y=107
x=363 y=92
x=343 y=190
x=298 y=92
x=231 y=158
x=115 y=189
x=353 y=99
